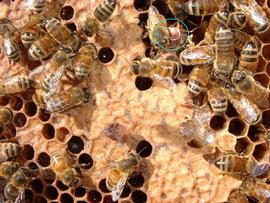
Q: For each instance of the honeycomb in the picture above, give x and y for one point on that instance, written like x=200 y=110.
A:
x=174 y=170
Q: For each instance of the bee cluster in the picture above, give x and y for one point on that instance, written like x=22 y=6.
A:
x=215 y=48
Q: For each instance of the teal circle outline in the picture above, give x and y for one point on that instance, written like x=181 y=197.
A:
x=165 y=21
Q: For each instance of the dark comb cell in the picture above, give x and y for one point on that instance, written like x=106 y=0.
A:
x=37 y=185
x=28 y=152
x=48 y=131
x=66 y=13
x=138 y=196
x=72 y=27
x=126 y=192
x=108 y=199
x=79 y=192
x=105 y=55
x=141 y=5
x=20 y=120
x=136 y=180
x=75 y=145
x=30 y=109
x=66 y=198
x=16 y=103
x=43 y=115
x=85 y=161
x=43 y=159
x=144 y=149
x=40 y=199
x=102 y=186
x=217 y=122
x=61 y=186
x=94 y=196
x=143 y=83
x=51 y=192
x=28 y=195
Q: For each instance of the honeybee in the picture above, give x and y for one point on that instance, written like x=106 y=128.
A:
x=257 y=189
x=237 y=20
x=31 y=30
x=70 y=176
x=224 y=62
x=197 y=55
x=119 y=173
x=237 y=196
x=100 y=15
x=8 y=168
x=176 y=7
x=6 y=116
x=232 y=164
x=66 y=99
x=198 y=80
x=61 y=34
x=218 y=99
x=240 y=39
x=260 y=171
x=6 y=26
x=204 y=7
x=249 y=56
x=247 y=85
x=15 y=85
x=36 y=5
x=254 y=12
x=42 y=48
x=246 y=109
x=8 y=150
x=220 y=17
x=159 y=68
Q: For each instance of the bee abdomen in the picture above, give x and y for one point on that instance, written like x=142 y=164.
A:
x=238 y=20
x=219 y=107
x=39 y=5
x=11 y=192
x=24 y=82
x=195 y=87
x=249 y=57
x=12 y=149
x=82 y=72
x=104 y=10
x=112 y=179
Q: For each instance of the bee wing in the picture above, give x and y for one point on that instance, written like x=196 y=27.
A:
x=37 y=71
x=55 y=79
x=118 y=189
x=21 y=197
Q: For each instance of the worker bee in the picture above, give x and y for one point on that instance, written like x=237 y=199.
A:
x=198 y=80
x=66 y=99
x=240 y=39
x=61 y=34
x=218 y=99
x=257 y=189
x=159 y=68
x=70 y=176
x=176 y=7
x=36 y=5
x=8 y=168
x=247 y=85
x=246 y=109
x=197 y=55
x=255 y=14
x=42 y=48
x=219 y=18
x=224 y=62
x=237 y=20
x=119 y=173
x=232 y=164
x=5 y=116
x=15 y=85
x=249 y=56
x=204 y=7
x=100 y=15
x=237 y=196
x=8 y=150
x=31 y=30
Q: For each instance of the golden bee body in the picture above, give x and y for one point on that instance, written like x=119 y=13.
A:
x=240 y=39
x=224 y=62
x=237 y=20
x=237 y=196
x=249 y=57
x=147 y=67
x=117 y=176
x=8 y=168
x=218 y=99
x=176 y=7
x=9 y=150
x=198 y=80
x=37 y=5
x=15 y=85
x=247 y=85
x=6 y=116
x=68 y=175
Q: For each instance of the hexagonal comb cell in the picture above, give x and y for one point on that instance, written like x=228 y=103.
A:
x=136 y=179
x=4 y=100
x=231 y=112
x=61 y=134
x=66 y=198
x=102 y=186
x=43 y=115
x=28 y=152
x=237 y=127
x=85 y=161
x=94 y=196
x=262 y=78
x=243 y=146
x=37 y=185
x=61 y=186
x=40 y=199
x=261 y=64
x=266 y=52
x=48 y=131
x=260 y=151
x=30 y=109
x=266 y=120
x=254 y=133
x=217 y=122
x=79 y=192
x=43 y=159
x=16 y=103
x=139 y=196
x=199 y=100
x=19 y=120
x=51 y=192
x=75 y=144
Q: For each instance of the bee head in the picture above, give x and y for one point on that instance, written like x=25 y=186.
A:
x=238 y=77
x=162 y=37
x=135 y=66
x=134 y=158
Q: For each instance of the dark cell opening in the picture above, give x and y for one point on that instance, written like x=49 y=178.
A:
x=143 y=20
x=136 y=179
x=254 y=133
x=262 y=78
x=16 y=103
x=85 y=160
x=40 y=199
x=81 y=201
x=66 y=13
x=37 y=185
x=260 y=151
x=199 y=99
x=266 y=52
x=75 y=144
x=108 y=199
x=30 y=109
x=4 y=100
x=28 y=195
x=266 y=119
x=163 y=9
x=94 y=196
x=43 y=115
x=144 y=148
x=143 y=83
x=241 y=145
x=33 y=165
x=231 y=112
x=61 y=186
x=105 y=55
x=9 y=132
x=145 y=39
x=28 y=152
x=51 y=192
x=33 y=64
x=48 y=131
x=261 y=64
x=195 y=144
x=237 y=127
x=252 y=199
x=66 y=198
x=102 y=186
x=138 y=196
x=126 y=191
x=50 y=177
x=44 y=159
x=141 y=5
x=79 y=192
x=20 y=120
x=61 y=134
x=217 y=122
x=72 y=27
